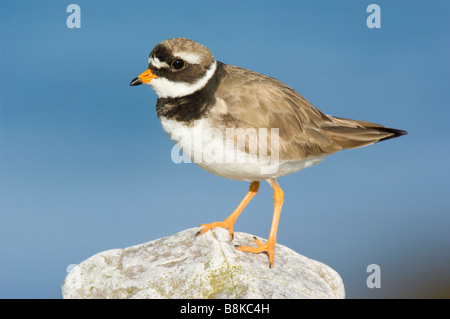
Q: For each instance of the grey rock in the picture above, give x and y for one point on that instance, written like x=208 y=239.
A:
x=208 y=266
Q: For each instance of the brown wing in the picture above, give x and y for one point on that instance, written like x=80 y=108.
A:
x=253 y=100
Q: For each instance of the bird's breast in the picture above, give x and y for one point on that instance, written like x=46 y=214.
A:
x=250 y=154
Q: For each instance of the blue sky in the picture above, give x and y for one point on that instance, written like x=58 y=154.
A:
x=86 y=167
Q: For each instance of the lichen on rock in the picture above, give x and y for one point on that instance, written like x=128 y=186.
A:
x=208 y=266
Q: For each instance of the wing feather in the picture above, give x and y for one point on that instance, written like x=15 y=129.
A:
x=253 y=100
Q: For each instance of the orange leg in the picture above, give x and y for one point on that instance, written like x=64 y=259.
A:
x=229 y=222
x=269 y=246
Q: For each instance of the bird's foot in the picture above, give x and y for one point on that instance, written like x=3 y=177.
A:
x=262 y=248
x=225 y=224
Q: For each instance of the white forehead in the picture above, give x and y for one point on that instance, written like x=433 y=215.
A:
x=157 y=63
x=189 y=57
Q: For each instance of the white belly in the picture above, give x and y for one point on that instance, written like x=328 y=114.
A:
x=214 y=150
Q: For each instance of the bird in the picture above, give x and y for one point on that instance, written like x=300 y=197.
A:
x=243 y=125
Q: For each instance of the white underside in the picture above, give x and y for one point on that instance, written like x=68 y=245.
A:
x=209 y=148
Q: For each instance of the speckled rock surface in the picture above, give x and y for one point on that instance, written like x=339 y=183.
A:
x=208 y=266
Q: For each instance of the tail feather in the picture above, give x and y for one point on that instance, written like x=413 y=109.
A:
x=353 y=133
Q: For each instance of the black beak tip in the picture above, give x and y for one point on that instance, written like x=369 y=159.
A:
x=136 y=81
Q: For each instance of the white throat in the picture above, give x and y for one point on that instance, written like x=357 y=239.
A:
x=168 y=89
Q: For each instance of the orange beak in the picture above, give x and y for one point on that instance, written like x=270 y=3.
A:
x=143 y=78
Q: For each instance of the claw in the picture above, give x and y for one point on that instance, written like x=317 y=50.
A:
x=210 y=226
x=262 y=248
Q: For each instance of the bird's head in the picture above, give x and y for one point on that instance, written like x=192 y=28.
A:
x=177 y=67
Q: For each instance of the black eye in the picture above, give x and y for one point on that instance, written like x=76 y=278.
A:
x=178 y=64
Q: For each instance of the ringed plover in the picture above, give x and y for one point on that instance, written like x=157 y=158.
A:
x=243 y=125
